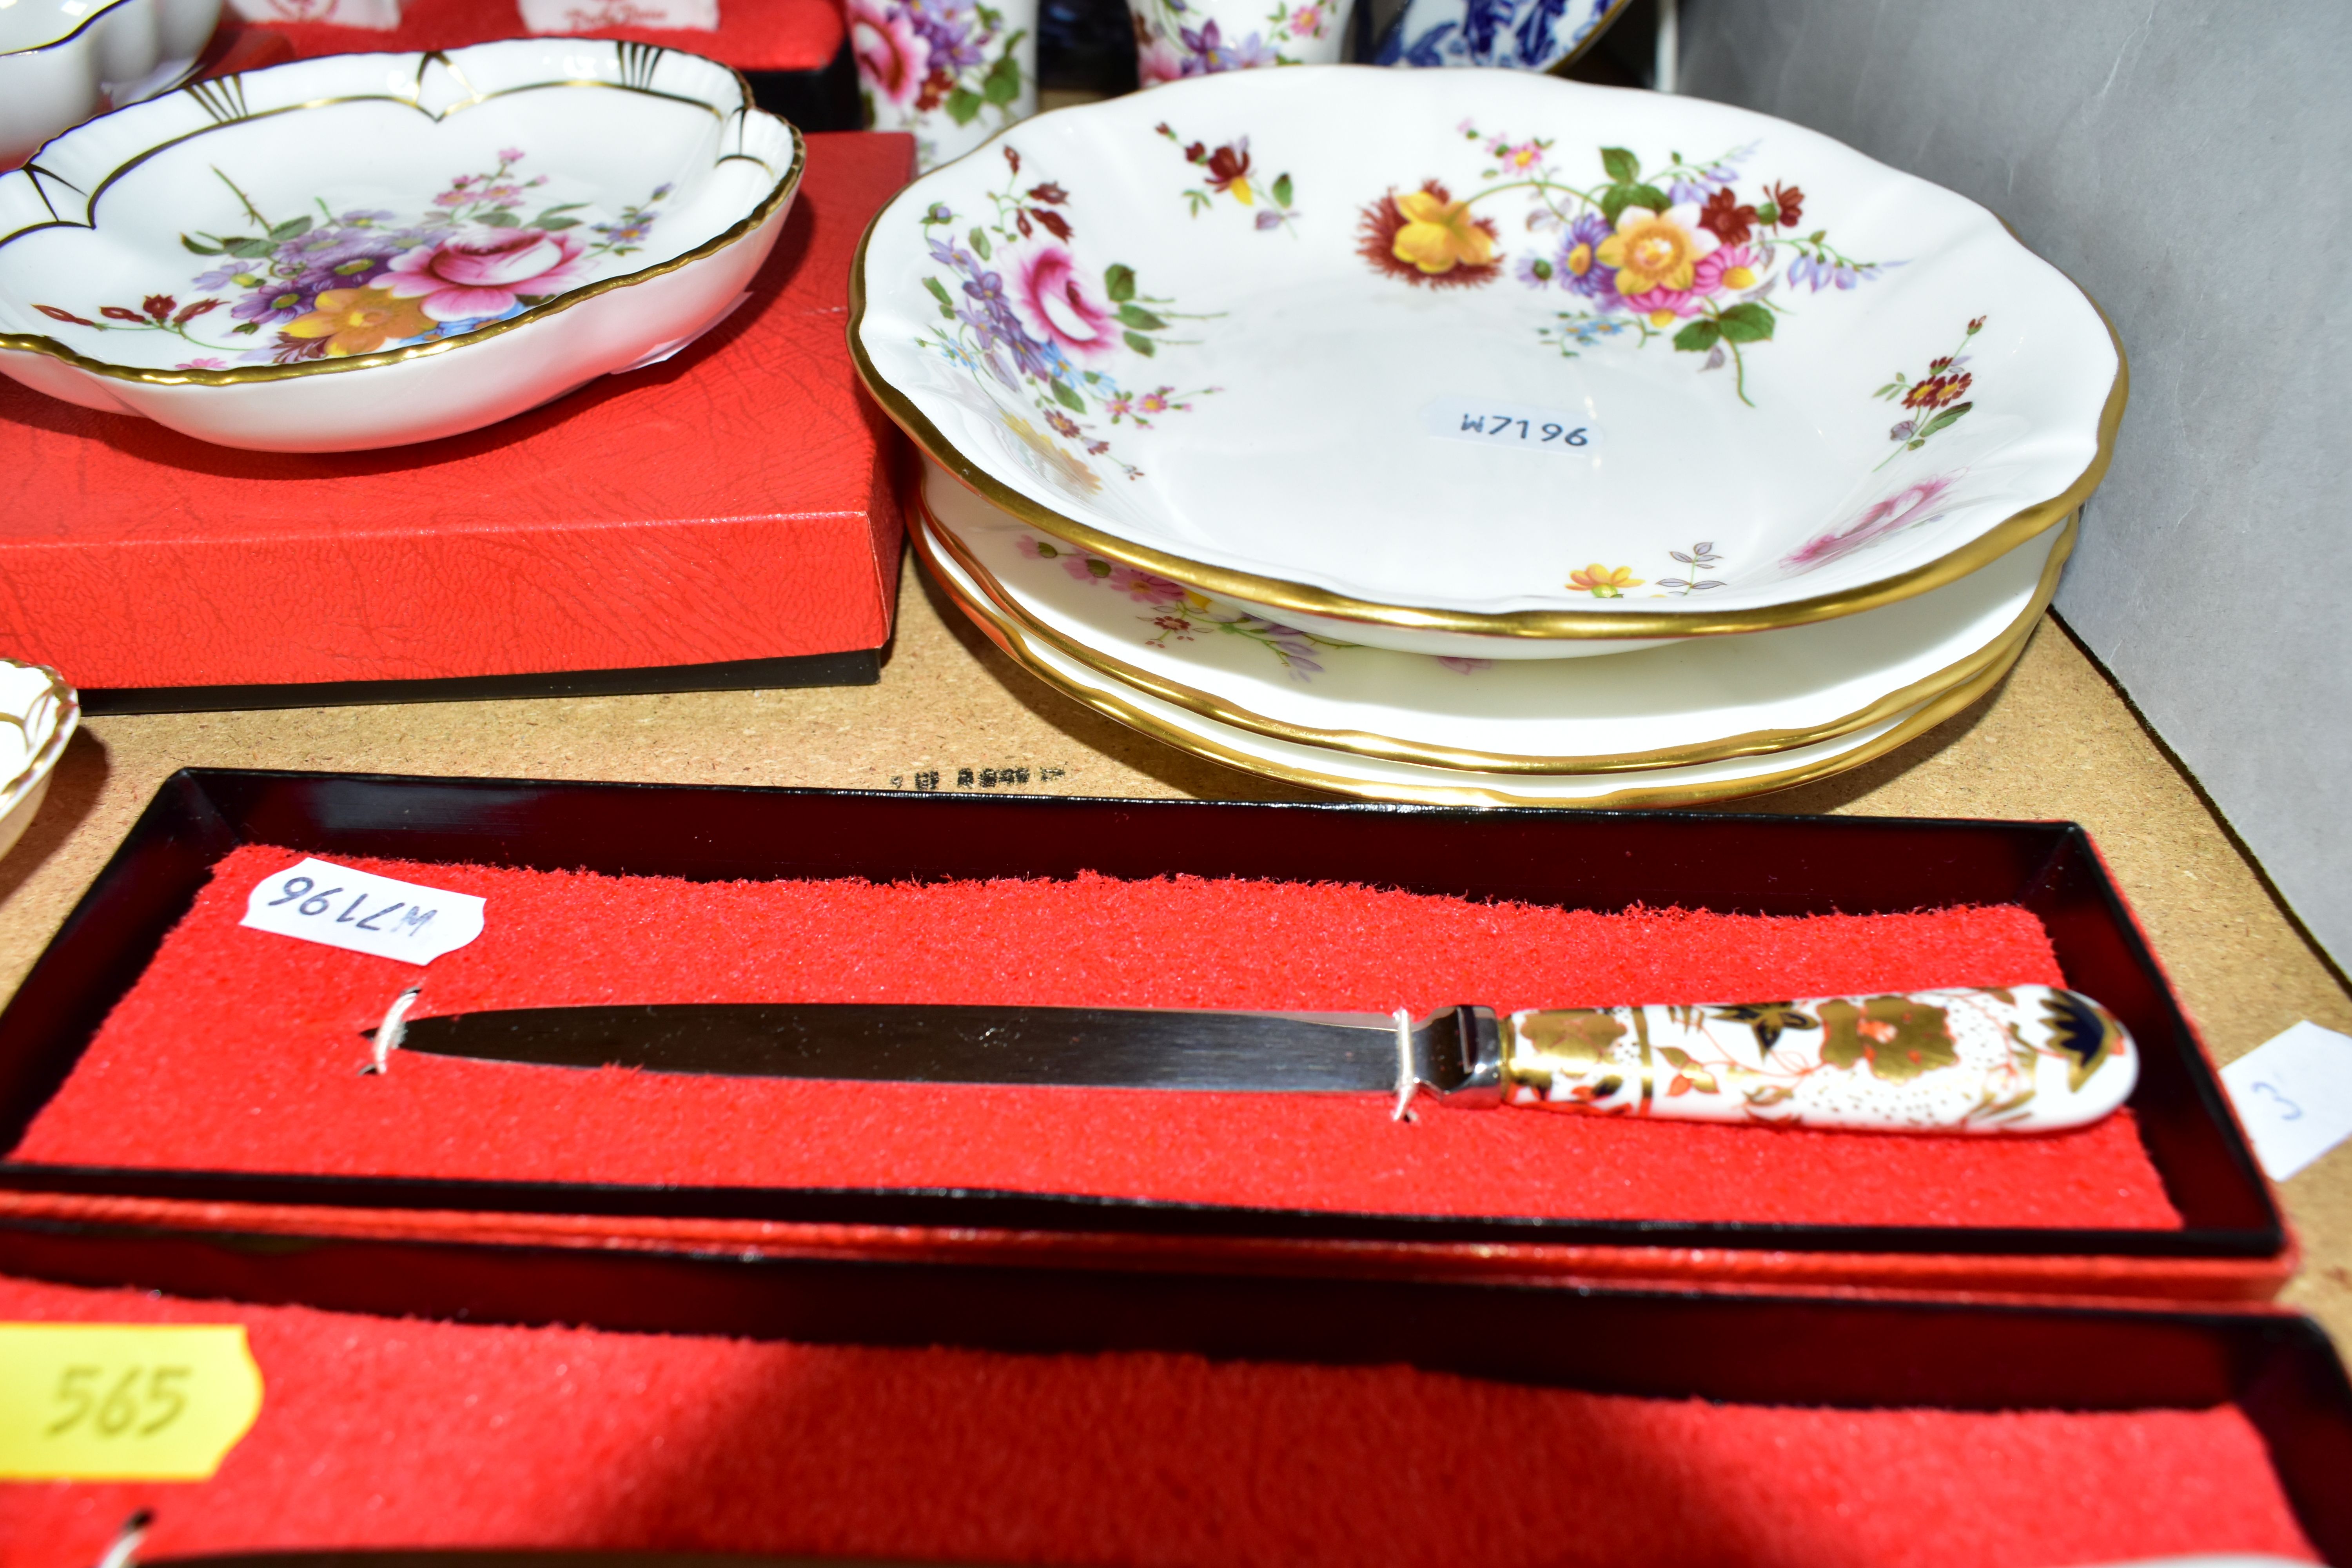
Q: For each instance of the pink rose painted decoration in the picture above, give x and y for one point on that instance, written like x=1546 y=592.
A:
x=1913 y=504
x=893 y=61
x=1059 y=305
x=468 y=277
x=953 y=72
x=1017 y=307
x=362 y=280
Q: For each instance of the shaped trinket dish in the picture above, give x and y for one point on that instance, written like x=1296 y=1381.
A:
x=1697 y=699
x=1483 y=363
x=62 y=62
x=38 y=715
x=368 y=251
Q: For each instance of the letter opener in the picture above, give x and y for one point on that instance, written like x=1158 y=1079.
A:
x=2025 y=1058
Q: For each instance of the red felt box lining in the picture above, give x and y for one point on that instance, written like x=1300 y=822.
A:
x=377 y=1432
x=239 y=1050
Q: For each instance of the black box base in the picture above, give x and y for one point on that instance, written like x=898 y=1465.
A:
x=859 y=667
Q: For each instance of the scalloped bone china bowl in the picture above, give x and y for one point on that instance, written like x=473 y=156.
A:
x=1510 y=367
x=370 y=250
x=62 y=62
x=38 y=715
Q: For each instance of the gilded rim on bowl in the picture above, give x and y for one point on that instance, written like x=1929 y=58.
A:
x=45 y=756
x=1305 y=599
x=638 y=59
x=1013 y=642
x=84 y=25
x=1754 y=743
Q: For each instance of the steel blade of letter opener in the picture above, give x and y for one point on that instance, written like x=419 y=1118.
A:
x=2026 y=1058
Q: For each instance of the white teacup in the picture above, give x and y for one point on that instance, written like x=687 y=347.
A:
x=954 y=72
x=1177 y=39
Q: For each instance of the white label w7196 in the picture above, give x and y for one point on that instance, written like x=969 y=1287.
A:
x=318 y=901
x=1492 y=422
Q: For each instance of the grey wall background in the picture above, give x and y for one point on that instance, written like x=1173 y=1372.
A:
x=2189 y=163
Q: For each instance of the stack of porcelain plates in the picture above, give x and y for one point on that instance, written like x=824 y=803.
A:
x=1478 y=436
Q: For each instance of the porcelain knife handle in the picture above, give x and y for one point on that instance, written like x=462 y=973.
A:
x=2027 y=1059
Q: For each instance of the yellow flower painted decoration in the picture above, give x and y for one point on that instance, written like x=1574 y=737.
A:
x=1651 y=250
x=1662 y=254
x=360 y=320
x=1603 y=582
x=1070 y=469
x=1439 y=236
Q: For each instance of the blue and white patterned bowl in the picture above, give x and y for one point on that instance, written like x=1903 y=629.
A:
x=1516 y=35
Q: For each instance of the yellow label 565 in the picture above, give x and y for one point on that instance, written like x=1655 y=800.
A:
x=161 y=1401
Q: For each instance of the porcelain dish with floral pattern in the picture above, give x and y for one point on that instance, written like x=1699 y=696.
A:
x=1697 y=699
x=1483 y=363
x=368 y=251
x=38 y=715
x=1381 y=778
x=62 y=62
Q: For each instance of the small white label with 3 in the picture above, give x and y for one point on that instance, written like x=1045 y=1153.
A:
x=1491 y=422
x=2293 y=1096
x=319 y=901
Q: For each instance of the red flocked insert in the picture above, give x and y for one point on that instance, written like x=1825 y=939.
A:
x=240 y=1050
x=382 y=1432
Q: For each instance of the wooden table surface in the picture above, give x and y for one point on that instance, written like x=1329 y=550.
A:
x=2055 y=741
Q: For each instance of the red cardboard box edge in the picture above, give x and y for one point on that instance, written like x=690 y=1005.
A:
x=617 y=593
x=2058 y=1277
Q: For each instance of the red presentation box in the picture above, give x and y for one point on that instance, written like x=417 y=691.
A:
x=730 y=518
x=454 y=1397
x=163 y=1068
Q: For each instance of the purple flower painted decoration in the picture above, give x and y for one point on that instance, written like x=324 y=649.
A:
x=952 y=30
x=1207 y=52
x=312 y=277
x=267 y=307
x=1180 y=613
x=1580 y=271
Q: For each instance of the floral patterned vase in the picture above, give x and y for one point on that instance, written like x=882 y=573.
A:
x=1177 y=39
x=954 y=72
x=1522 y=35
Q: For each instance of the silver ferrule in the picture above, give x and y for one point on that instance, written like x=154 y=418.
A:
x=1457 y=1056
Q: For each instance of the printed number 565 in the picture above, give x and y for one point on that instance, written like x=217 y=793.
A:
x=115 y=1406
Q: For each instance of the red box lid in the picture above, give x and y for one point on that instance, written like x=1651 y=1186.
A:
x=752 y=35
x=740 y=502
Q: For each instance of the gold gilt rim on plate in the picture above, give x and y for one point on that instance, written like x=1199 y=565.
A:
x=1301 y=598
x=1013 y=641
x=1753 y=742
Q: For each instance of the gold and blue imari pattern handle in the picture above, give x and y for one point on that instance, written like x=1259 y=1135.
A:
x=2022 y=1058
